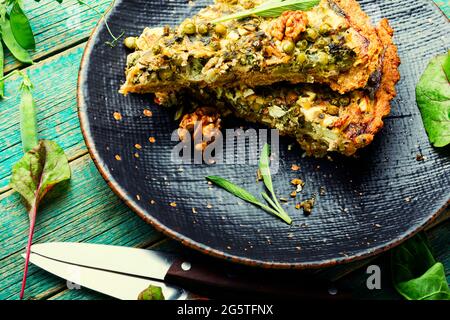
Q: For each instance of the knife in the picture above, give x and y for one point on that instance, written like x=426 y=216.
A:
x=124 y=272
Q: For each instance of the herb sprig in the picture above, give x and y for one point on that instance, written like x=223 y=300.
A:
x=274 y=206
x=272 y=8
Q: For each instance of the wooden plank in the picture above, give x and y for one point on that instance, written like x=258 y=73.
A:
x=58 y=26
x=84 y=210
x=55 y=81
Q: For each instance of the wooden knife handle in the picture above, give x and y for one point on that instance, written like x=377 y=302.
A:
x=224 y=280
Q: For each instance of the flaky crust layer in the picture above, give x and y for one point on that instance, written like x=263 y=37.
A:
x=360 y=128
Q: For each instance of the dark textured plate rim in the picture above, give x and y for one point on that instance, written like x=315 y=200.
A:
x=148 y=218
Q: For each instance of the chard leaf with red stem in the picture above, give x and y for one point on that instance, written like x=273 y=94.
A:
x=33 y=176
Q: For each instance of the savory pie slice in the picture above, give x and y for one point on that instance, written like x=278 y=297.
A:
x=320 y=119
x=333 y=43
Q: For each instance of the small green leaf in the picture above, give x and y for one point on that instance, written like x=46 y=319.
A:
x=39 y=170
x=152 y=293
x=234 y=189
x=271 y=9
x=11 y=43
x=433 y=99
x=416 y=274
x=21 y=28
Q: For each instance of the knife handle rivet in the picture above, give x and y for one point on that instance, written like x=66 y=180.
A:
x=186 y=266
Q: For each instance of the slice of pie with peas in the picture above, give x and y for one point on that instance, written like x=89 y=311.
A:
x=320 y=119
x=332 y=43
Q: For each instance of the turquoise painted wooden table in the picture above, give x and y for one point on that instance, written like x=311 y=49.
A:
x=87 y=210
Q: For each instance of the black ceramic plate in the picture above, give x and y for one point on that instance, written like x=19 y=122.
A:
x=371 y=202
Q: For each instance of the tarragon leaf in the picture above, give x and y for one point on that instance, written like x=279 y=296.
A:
x=264 y=169
x=246 y=196
x=271 y=9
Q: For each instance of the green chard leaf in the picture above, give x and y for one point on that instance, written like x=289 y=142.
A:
x=152 y=293
x=21 y=28
x=416 y=274
x=271 y=8
x=433 y=99
x=39 y=170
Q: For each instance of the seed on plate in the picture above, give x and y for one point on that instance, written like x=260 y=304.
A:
x=147 y=113
x=152 y=201
x=194 y=210
x=138 y=197
x=136 y=155
x=138 y=146
x=297 y=182
x=152 y=139
x=293 y=194
x=209 y=206
x=173 y=204
x=295 y=167
x=118 y=158
x=117 y=116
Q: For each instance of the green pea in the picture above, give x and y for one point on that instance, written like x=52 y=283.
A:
x=322 y=42
x=324 y=28
x=130 y=42
x=220 y=29
x=344 y=101
x=203 y=29
x=288 y=46
x=332 y=110
x=301 y=57
x=322 y=58
x=311 y=34
x=189 y=28
x=165 y=74
x=302 y=44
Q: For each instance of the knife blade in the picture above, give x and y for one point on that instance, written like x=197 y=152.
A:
x=198 y=274
x=110 y=283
